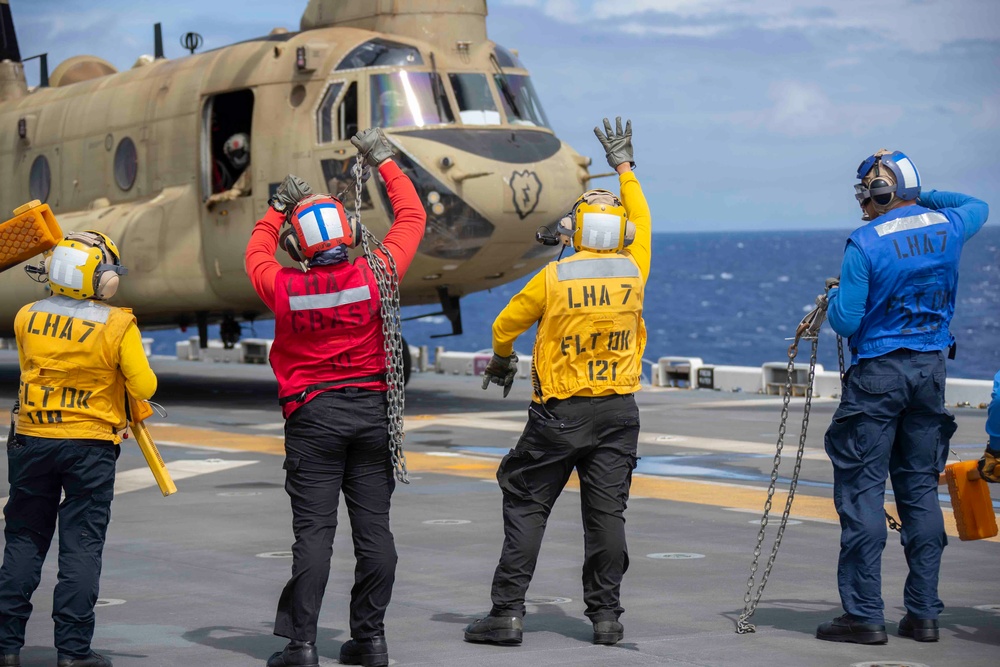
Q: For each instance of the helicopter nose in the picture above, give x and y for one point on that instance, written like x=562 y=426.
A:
x=487 y=187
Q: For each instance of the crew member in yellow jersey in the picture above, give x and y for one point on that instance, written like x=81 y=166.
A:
x=79 y=357
x=586 y=365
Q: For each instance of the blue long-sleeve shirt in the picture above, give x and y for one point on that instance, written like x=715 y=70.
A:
x=847 y=303
x=993 y=416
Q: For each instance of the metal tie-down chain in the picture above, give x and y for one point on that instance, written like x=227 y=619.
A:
x=387 y=279
x=808 y=329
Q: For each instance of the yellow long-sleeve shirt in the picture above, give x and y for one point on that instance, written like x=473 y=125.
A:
x=528 y=305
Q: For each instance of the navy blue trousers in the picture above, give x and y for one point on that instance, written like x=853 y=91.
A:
x=891 y=423
x=598 y=437
x=40 y=470
x=339 y=441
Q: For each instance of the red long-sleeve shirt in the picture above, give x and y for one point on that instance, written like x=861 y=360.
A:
x=404 y=235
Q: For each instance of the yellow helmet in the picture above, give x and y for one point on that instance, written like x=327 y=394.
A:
x=85 y=265
x=597 y=223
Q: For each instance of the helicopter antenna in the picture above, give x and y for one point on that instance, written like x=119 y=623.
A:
x=158 y=41
x=191 y=41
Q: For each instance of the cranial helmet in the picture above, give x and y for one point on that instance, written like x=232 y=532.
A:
x=597 y=222
x=318 y=223
x=887 y=177
x=85 y=265
x=237 y=149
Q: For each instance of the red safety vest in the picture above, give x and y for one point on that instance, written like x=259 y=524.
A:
x=327 y=329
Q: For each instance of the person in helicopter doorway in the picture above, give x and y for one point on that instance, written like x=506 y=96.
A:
x=237 y=152
x=894 y=300
x=329 y=359
x=79 y=357
x=586 y=367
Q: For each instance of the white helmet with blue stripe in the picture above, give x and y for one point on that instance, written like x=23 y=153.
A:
x=886 y=178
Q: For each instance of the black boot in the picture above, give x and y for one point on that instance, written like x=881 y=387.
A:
x=503 y=630
x=10 y=660
x=370 y=652
x=296 y=654
x=608 y=632
x=848 y=629
x=92 y=660
x=921 y=629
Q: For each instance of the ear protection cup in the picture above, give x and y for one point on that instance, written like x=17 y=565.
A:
x=107 y=285
x=878 y=184
x=289 y=242
x=629 y=233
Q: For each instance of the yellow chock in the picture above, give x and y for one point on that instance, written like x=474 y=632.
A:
x=31 y=231
x=139 y=411
x=970 y=499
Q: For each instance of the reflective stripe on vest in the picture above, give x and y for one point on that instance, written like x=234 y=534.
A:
x=591 y=335
x=71 y=385
x=911 y=222
x=613 y=267
x=331 y=300
x=64 y=305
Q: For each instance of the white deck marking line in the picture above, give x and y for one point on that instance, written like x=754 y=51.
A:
x=142 y=478
x=137 y=479
x=757 y=402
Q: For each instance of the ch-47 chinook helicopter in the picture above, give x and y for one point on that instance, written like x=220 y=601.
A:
x=136 y=154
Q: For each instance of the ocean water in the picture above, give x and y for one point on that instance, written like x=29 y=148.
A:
x=733 y=298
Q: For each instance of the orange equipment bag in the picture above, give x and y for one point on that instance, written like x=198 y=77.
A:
x=31 y=231
x=970 y=498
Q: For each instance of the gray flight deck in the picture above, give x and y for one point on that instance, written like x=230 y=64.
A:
x=193 y=579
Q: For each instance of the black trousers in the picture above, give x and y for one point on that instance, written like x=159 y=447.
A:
x=40 y=469
x=598 y=437
x=338 y=441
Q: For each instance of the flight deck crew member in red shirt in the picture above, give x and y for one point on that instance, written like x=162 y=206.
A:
x=328 y=357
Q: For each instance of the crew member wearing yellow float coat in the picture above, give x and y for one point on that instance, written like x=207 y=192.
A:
x=78 y=358
x=586 y=365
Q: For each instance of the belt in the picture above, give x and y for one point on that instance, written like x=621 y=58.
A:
x=301 y=396
x=583 y=399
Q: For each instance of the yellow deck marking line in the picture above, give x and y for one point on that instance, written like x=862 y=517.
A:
x=714 y=494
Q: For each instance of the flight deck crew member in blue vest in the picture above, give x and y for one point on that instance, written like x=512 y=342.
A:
x=988 y=464
x=895 y=300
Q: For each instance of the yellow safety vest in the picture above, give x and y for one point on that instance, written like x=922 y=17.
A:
x=591 y=337
x=71 y=385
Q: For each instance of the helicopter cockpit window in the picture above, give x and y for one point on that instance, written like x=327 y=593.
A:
x=520 y=101
x=475 y=101
x=325 y=122
x=406 y=99
x=381 y=53
x=507 y=59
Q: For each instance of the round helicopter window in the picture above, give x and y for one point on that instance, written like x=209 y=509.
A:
x=126 y=164
x=40 y=179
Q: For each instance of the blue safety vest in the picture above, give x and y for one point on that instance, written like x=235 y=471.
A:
x=913 y=253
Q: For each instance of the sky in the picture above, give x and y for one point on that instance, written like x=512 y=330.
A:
x=747 y=114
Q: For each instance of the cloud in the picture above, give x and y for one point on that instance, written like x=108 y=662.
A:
x=906 y=24
x=804 y=110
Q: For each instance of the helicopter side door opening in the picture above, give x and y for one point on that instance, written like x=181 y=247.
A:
x=227 y=116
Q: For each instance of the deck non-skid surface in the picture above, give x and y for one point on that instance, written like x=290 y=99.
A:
x=193 y=579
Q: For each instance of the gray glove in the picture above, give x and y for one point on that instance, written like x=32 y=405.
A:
x=823 y=300
x=291 y=191
x=617 y=144
x=501 y=371
x=373 y=145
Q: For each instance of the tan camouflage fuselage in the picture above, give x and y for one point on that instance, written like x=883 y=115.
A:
x=496 y=183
